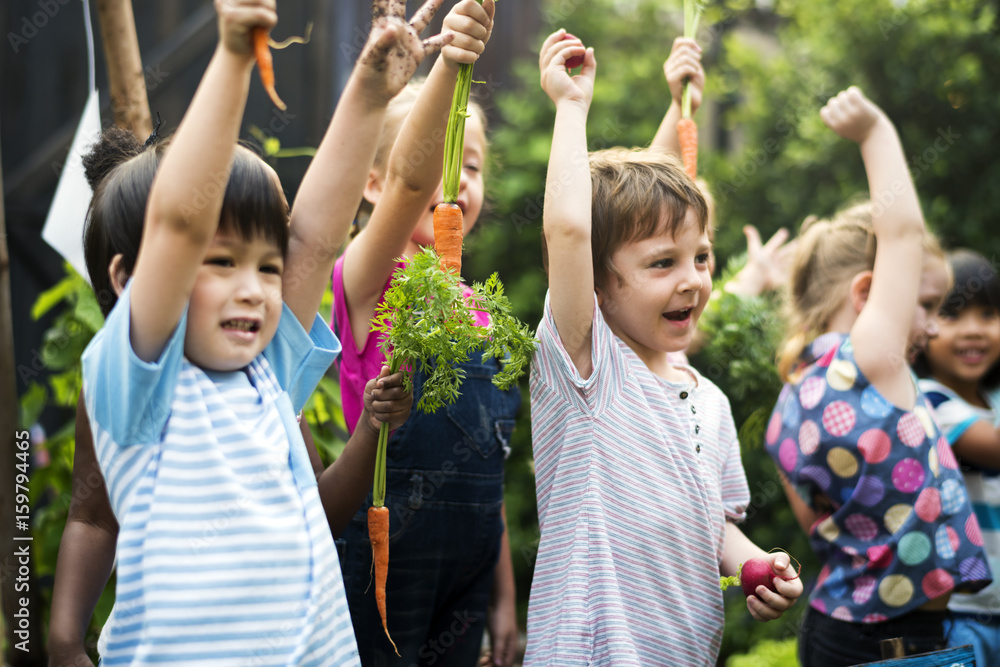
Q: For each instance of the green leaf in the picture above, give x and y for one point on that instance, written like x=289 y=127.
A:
x=52 y=296
x=32 y=403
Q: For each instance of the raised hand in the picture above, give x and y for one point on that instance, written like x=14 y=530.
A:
x=387 y=401
x=472 y=25
x=556 y=81
x=237 y=18
x=394 y=49
x=684 y=64
x=851 y=115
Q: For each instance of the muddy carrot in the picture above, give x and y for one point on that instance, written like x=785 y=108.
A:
x=378 y=533
x=687 y=135
x=448 y=236
x=262 y=52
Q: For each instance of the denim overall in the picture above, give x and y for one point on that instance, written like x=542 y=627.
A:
x=444 y=491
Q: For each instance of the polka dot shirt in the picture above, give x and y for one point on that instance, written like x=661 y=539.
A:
x=895 y=526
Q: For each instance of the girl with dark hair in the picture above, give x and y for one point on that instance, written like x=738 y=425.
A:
x=193 y=383
x=961 y=378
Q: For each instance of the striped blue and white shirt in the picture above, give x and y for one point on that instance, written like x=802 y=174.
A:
x=635 y=477
x=224 y=553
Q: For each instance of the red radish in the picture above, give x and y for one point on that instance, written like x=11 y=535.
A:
x=757 y=572
x=575 y=61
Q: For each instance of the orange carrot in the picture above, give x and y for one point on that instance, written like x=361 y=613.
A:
x=448 y=235
x=687 y=135
x=262 y=51
x=378 y=533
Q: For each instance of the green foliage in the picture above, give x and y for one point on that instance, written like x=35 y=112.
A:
x=768 y=653
x=427 y=322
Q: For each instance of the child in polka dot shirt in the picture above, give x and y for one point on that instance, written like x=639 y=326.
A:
x=866 y=470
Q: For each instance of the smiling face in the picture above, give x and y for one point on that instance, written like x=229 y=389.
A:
x=935 y=280
x=471 y=191
x=966 y=347
x=236 y=303
x=666 y=284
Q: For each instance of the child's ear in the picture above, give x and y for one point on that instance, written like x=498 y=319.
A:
x=117 y=274
x=861 y=285
x=373 y=188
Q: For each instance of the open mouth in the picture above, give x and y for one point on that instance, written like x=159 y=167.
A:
x=970 y=355
x=251 y=326
x=678 y=315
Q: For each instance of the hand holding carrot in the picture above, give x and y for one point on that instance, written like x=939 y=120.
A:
x=387 y=401
x=852 y=115
x=556 y=81
x=766 y=605
x=237 y=20
x=471 y=23
x=683 y=65
x=394 y=49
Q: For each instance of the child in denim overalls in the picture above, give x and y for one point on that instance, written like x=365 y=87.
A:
x=444 y=475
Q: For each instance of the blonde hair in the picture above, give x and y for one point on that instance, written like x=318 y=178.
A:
x=397 y=111
x=633 y=190
x=829 y=255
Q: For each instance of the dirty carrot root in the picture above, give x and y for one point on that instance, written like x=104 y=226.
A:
x=687 y=136
x=448 y=235
x=262 y=52
x=378 y=533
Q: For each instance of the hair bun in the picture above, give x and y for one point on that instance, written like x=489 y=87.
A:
x=115 y=147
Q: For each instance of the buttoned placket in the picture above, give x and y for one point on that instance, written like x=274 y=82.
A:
x=685 y=395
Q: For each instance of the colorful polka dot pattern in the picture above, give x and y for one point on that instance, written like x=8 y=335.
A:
x=901 y=530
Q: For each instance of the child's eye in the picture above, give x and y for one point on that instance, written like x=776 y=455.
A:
x=219 y=261
x=990 y=314
x=474 y=168
x=702 y=259
x=271 y=268
x=662 y=264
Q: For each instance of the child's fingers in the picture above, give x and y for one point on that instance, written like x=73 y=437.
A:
x=681 y=43
x=760 y=610
x=753 y=240
x=424 y=15
x=546 y=52
x=589 y=63
x=434 y=44
x=776 y=240
x=788 y=589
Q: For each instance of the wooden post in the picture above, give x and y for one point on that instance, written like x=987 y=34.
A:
x=125 y=74
x=18 y=586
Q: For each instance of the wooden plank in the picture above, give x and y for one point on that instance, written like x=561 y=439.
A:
x=121 y=53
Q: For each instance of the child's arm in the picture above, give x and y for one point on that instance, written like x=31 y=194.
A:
x=86 y=553
x=414 y=170
x=344 y=485
x=683 y=64
x=186 y=198
x=502 y=612
x=332 y=186
x=566 y=217
x=979 y=445
x=766 y=605
x=888 y=300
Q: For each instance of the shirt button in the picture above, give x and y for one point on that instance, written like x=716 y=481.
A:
x=693 y=411
x=684 y=395
x=697 y=429
x=697 y=449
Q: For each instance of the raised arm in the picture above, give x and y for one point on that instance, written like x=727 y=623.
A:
x=332 y=186
x=414 y=170
x=880 y=333
x=186 y=198
x=683 y=64
x=566 y=220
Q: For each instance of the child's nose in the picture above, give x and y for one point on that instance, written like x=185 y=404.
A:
x=250 y=288
x=691 y=280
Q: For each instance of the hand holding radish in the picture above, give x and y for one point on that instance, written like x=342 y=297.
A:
x=556 y=51
x=387 y=401
x=238 y=18
x=683 y=65
x=394 y=49
x=472 y=24
x=852 y=115
x=771 y=584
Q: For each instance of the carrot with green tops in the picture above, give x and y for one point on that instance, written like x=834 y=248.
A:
x=262 y=52
x=687 y=130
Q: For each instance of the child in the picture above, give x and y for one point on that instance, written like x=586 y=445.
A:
x=450 y=571
x=961 y=377
x=868 y=475
x=193 y=384
x=637 y=462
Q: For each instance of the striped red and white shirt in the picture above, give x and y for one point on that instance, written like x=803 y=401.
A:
x=635 y=478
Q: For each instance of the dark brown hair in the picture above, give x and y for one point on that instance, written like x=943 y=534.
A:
x=120 y=169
